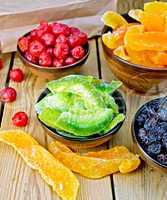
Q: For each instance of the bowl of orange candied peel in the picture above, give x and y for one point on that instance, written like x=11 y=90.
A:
x=135 y=47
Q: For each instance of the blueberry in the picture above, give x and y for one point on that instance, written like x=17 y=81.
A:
x=143 y=136
x=164 y=140
x=154 y=149
x=162 y=158
x=141 y=119
x=163 y=114
x=150 y=123
x=163 y=125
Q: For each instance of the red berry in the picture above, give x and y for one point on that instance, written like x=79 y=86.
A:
x=70 y=60
x=45 y=59
x=36 y=48
x=1 y=63
x=30 y=57
x=23 y=44
x=83 y=38
x=33 y=34
x=20 y=119
x=78 y=52
x=8 y=94
x=73 y=41
x=48 y=39
x=43 y=28
x=59 y=28
x=61 y=39
x=61 y=50
x=50 y=51
x=57 y=62
x=16 y=75
x=74 y=30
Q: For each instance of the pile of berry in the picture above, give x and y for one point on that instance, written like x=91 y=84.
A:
x=152 y=129
x=53 y=45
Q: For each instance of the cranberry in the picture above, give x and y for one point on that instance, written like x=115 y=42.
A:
x=1 y=63
x=45 y=59
x=70 y=60
x=61 y=50
x=50 y=51
x=48 y=39
x=33 y=34
x=8 y=94
x=73 y=41
x=20 y=119
x=59 y=28
x=16 y=75
x=30 y=57
x=36 y=48
x=23 y=44
x=43 y=28
x=78 y=52
x=83 y=38
x=57 y=62
x=61 y=39
x=74 y=30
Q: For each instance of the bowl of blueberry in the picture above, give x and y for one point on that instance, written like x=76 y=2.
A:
x=53 y=50
x=149 y=130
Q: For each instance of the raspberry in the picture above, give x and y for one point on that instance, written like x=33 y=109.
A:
x=57 y=62
x=73 y=41
x=30 y=57
x=78 y=52
x=48 y=39
x=1 y=63
x=45 y=59
x=20 y=119
x=74 y=30
x=83 y=38
x=59 y=28
x=69 y=60
x=43 y=28
x=8 y=94
x=36 y=48
x=61 y=50
x=61 y=39
x=50 y=51
x=16 y=75
x=23 y=44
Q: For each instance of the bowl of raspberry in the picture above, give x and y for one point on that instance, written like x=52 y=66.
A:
x=149 y=131
x=53 y=50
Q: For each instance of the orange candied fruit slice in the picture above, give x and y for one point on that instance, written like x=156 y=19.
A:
x=155 y=7
x=121 y=52
x=95 y=166
x=160 y=58
x=52 y=171
x=113 y=19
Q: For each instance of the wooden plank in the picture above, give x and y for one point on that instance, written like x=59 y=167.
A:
x=4 y=71
x=145 y=183
x=19 y=181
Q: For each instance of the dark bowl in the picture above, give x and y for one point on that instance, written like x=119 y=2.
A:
x=142 y=79
x=139 y=147
x=84 y=142
x=52 y=73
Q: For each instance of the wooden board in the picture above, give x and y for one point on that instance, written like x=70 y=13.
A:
x=18 y=181
x=145 y=183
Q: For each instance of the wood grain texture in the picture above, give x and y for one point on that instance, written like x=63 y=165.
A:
x=18 y=181
x=145 y=183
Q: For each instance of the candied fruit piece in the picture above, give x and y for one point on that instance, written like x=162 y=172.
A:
x=155 y=7
x=160 y=58
x=120 y=52
x=113 y=19
x=95 y=164
x=135 y=14
x=52 y=171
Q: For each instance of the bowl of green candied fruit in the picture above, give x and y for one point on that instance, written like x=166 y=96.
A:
x=81 y=111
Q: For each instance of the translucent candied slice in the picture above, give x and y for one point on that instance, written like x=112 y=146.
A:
x=95 y=166
x=140 y=41
x=52 y=171
x=121 y=52
x=160 y=58
x=135 y=14
x=113 y=19
x=155 y=7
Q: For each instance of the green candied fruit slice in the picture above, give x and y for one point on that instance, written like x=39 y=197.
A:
x=79 y=122
x=108 y=87
x=80 y=85
x=117 y=119
x=60 y=101
x=110 y=102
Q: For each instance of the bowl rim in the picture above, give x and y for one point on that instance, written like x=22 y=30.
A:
x=117 y=58
x=86 y=47
x=137 y=142
x=86 y=139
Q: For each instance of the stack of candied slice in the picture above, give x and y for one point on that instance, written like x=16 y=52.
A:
x=142 y=42
x=80 y=105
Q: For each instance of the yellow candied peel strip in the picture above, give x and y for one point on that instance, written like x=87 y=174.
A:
x=92 y=166
x=62 y=180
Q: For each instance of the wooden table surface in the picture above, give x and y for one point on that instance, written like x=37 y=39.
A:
x=19 y=182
